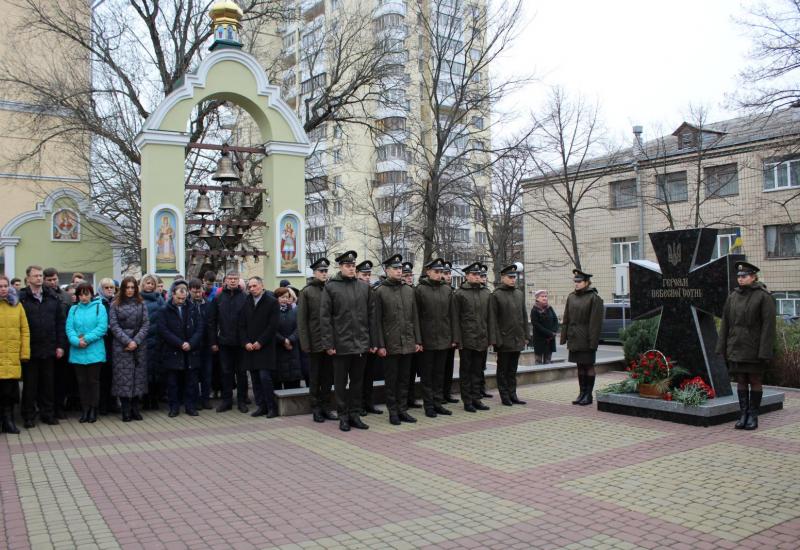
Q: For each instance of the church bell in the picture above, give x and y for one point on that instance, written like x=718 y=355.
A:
x=204 y=234
x=203 y=206
x=226 y=171
x=226 y=203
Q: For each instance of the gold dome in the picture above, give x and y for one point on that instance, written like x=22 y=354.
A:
x=225 y=12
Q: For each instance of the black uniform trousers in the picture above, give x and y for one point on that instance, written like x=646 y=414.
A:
x=348 y=398
x=413 y=371
x=37 y=388
x=469 y=372
x=320 y=373
x=447 y=384
x=230 y=359
x=370 y=365
x=396 y=376
x=434 y=363
x=507 y=363
x=484 y=358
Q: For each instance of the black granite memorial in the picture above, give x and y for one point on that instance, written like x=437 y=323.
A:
x=688 y=289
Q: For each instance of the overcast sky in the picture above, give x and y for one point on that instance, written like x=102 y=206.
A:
x=643 y=61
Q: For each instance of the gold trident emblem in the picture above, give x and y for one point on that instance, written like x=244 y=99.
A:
x=674 y=253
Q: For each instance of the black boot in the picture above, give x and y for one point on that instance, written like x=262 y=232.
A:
x=582 y=385
x=588 y=388
x=8 y=425
x=125 y=408
x=92 y=415
x=357 y=423
x=752 y=410
x=85 y=416
x=135 y=414
x=744 y=403
x=516 y=400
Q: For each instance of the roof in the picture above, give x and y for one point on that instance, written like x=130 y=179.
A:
x=718 y=135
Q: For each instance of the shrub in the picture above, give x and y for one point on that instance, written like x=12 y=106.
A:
x=785 y=367
x=639 y=337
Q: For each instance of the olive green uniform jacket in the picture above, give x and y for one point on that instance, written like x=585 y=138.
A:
x=346 y=316
x=747 y=332
x=581 y=325
x=472 y=325
x=433 y=306
x=396 y=320
x=308 y=326
x=512 y=331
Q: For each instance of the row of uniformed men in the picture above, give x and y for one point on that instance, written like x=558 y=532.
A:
x=343 y=323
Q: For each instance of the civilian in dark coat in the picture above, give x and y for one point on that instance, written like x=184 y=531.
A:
x=108 y=403
x=65 y=388
x=48 y=342
x=223 y=335
x=545 y=328
x=130 y=324
x=181 y=331
x=155 y=303
x=206 y=362
x=287 y=343
x=258 y=324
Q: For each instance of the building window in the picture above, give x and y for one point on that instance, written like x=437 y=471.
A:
x=315 y=234
x=337 y=208
x=477 y=121
x=781 y=174
x=392 y=151
x=337 y=156
x=480 y=237
x=787 y=301
x=461 y=235
x=338 y=234
x=623 y=193
x=672 y=187
x=392 y=177
x=337 y=131
x=316 y=208
x=729 y=241
x=722 y=181
x=314 y=256
x=687 y=139
x=782 y=241
x=391 y=123
x=624 y=249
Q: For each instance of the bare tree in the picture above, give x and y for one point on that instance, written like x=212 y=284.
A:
x=573 y=157
x=450 y=146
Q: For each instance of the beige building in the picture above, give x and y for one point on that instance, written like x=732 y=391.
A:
x=741 y=176
x=362 y=184
x=46 y=216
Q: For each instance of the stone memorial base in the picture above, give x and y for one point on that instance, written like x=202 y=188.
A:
x=715 y=411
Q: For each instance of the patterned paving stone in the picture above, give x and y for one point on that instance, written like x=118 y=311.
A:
x=553 y=392
x=789 y=432
x=730 y=491
x=602 y=542
x=380 y=424
x=531 y=444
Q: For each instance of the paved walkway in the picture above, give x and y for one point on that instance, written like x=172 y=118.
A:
x=546 y=475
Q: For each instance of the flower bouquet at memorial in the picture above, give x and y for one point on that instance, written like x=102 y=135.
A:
x=693 y=392
x=654 y=373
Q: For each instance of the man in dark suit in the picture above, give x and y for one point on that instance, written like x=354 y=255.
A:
x=258 y=325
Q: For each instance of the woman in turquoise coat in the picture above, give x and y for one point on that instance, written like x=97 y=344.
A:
x=87 y=323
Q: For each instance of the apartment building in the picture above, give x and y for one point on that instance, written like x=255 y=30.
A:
x=741 y=176
x=366 y=177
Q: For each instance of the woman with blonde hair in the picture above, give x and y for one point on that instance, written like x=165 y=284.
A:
x=14 y=348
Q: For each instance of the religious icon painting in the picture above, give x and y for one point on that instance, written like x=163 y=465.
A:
x=66 y=226
x=289 y=243
x=165 y=235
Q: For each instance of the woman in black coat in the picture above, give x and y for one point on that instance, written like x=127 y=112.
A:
x=545 y=328
x=181 y=330
x=287 y=344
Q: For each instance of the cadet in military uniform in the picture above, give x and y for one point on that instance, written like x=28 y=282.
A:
x=433 y=305
x=580 y=330
x=373 y=363
x=346 y=321
x=485 y=356
x=472 y=329
x=746 y=337
x=414 y=371
x=511 y=333
x=308 y=328
x=447 y=383
x=398 y=336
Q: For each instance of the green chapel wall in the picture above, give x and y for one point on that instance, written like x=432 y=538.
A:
x=92 y=254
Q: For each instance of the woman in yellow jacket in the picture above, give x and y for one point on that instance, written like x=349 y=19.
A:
x=15 y=347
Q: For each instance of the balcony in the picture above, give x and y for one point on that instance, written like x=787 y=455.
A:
x=317 y=184
x=312 y=9
x=392 y=6
x=393 y=165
